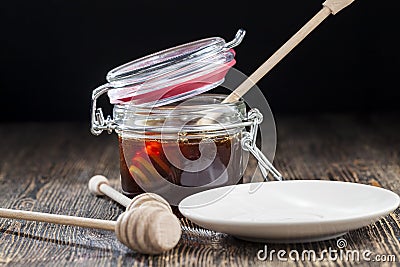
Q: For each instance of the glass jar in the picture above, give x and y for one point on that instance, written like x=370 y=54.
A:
x=174 y=139
x=166 y=144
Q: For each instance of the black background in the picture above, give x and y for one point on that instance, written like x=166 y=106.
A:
x=54 y=53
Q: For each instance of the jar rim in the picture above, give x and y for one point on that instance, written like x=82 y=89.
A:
x=185 y=104
x=230 y=115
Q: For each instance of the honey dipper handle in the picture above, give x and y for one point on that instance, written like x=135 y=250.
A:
x=329 y=7
x=99 y=185
x=57 y=219
x=115 y=195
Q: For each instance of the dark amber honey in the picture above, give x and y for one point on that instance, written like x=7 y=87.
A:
x=225 y=167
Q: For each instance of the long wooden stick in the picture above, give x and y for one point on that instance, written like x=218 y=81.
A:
x=99 y=185
x=329 y=7
x=57 y=219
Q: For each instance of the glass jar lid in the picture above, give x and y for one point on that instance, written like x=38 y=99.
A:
x=173 y=74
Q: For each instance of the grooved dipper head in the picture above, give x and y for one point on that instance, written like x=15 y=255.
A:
x=148 y=230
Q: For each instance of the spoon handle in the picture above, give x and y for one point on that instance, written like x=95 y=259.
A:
x=329 y=7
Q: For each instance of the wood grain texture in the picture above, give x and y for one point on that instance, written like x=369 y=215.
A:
x=46 y=167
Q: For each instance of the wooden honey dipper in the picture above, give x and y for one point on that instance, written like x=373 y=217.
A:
x=148 y=230
x=99 y=185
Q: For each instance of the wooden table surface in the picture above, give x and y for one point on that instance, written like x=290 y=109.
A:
x=46 y=166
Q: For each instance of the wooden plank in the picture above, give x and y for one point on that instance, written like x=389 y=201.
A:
x=45 y=167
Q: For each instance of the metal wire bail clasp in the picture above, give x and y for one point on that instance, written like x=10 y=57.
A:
x=237 y=40
x=99 y=124
x=249 y=144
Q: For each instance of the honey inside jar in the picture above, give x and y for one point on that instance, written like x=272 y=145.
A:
x=134 y=156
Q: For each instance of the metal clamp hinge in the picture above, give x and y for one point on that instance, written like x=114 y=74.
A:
x=98 y=123
x=249 y=144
